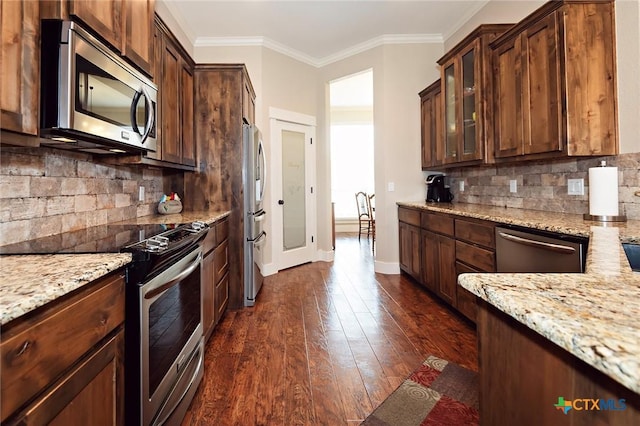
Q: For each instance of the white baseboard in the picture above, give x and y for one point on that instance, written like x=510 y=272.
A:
x=387 y=268
x=268 y=269
x=325 y=255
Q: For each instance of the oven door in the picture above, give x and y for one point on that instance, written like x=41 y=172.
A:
x=171 y=337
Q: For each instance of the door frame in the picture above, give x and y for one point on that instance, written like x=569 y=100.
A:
x=297 y=119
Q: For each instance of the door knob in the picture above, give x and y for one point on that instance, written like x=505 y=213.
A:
x=281 y=202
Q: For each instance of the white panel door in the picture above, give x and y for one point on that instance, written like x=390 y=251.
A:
x=294 y=220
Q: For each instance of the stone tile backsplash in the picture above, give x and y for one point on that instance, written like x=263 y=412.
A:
x=542 y=185
x=45 y=192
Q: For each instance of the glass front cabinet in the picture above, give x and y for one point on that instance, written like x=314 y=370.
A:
x=466 y=97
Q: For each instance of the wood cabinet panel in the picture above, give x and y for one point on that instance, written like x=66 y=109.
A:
x=409 y=216
x=437 y=223
x=138 y=31
x=103 y=16
x=410 y=250
x=483 y=259
x=431 y=126
x=466 y=301
x=521 y=366
x=89 y=394
x=467 y=88
x=447 y=279
x=222 y=297
x=20 y=66
x=482 y=233
x=208 y=288
x=431 y=260
x=169 y=85
x=561 y=100
x=221 y=259
x=187 y=142
x=39 y=349
x=32 y=354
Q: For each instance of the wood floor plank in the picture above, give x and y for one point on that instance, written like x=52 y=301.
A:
x=325 y=343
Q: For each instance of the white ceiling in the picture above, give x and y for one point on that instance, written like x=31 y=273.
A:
x=319 y=32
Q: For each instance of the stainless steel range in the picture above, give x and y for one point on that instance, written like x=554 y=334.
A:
x=164 y=347
x=163 y=327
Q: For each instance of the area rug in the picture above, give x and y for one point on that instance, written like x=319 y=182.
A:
x=437 y=393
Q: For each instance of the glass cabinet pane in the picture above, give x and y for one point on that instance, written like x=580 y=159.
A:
x=451 y=140
x=468 y=104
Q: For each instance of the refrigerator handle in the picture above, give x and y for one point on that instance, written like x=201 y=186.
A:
x=263 y=179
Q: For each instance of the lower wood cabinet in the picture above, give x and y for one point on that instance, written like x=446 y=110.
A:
x=436 y=247
x=64 y=364
x=215 y=276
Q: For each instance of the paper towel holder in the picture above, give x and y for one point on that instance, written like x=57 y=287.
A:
x=598 y=218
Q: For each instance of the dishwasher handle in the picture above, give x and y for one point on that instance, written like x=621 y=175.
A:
x=558 y=248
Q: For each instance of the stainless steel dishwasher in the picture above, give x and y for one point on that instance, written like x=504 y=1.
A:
x=519 y=250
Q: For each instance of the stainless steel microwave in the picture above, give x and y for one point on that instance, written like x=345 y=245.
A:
x=91 y=99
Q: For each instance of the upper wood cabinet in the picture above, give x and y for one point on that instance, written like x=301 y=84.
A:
x=466 y=85
x=554 y=80
x=20 y=66
x=127 y=25
x=431 y=126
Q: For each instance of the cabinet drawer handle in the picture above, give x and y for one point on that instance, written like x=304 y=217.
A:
x=23 y=348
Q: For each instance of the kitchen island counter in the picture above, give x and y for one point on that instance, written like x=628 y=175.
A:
x=594 y=316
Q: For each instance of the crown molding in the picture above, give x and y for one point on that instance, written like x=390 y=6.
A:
x=310 y=60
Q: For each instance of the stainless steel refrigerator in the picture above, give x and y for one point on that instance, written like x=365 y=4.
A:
x=254 y=178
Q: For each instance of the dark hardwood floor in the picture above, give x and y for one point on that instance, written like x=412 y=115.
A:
x=325 y=344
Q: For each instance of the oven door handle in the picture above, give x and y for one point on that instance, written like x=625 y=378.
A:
x=163 y=287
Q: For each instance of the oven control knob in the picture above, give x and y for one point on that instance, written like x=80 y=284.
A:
x=157 y=243
x=197 y=226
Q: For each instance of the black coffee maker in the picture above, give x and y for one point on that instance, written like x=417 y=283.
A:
x=437 y=192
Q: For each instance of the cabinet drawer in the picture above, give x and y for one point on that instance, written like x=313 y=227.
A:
x=467 y=303
x=476 y=232
x=221 y=260
x=409 y=216
x=37 y=351
x=437 y=223
x=222 y=230
x=210 y=241
x=222 y=297
x=480 y=258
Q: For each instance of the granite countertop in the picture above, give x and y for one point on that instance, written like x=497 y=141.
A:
x=31 y=281
x=44 y=278
x=594 y=315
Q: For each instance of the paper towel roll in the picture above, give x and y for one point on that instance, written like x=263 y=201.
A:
x=603 y=191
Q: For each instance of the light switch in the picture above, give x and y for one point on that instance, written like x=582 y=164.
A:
x=391 y=187
x=575 y=186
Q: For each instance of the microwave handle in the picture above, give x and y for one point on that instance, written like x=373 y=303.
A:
x=149 y=105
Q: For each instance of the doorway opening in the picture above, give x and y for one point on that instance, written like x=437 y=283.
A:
x=352 y=145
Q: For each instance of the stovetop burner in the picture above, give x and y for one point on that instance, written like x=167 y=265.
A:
x=110 y=238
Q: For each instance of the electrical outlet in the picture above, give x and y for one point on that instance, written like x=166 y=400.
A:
x=513 y=185
x=141 y=193
x=391 y=187
x=461 y=186
x=575 y=186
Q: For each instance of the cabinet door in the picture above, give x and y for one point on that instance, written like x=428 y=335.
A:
x=186 y=116
x=208 y=294
x=248 y=103
x=542 y=101
x=91 y=393
x=469 y=106
x=430 y=260
x=170 y=89
x=447 y=269
x=410 y=253
x=426 y=127
x=508 y=128
x=103 y=16
x=221 y=297
x=138 y=30
x=437 y=140
x=466 y=301
x=20 y=66
x=449 y=99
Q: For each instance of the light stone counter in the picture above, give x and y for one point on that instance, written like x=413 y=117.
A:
x=31 y=281
x=594 y=316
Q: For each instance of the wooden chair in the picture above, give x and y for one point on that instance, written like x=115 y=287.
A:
x=365 y=220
